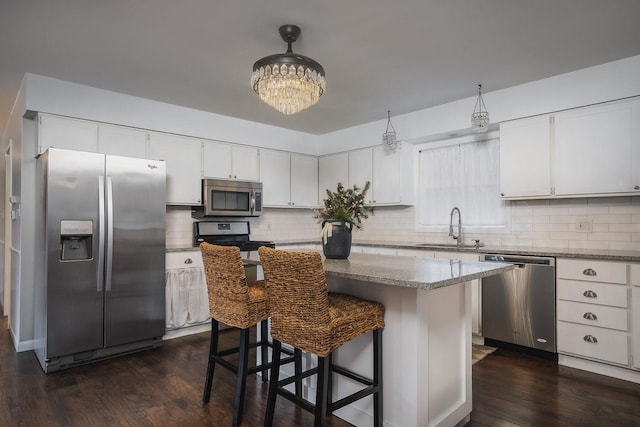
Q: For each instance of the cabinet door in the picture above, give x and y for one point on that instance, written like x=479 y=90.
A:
x=386 y=181
x=63 y=132
x=332 y=170
x=275 y=174
x=304 y=180
x=122 y=141
x=596 y=149
x=361 y=169
x=525 y=162
x=635 y=325
x=183 y=157
x=216 y=159
x=244 y=162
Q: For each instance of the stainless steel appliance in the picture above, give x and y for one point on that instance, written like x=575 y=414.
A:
x=100 y=288
x=222 y=197
x=518 y=306
x=227 y=233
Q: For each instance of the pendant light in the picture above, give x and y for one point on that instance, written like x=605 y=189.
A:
x=289 y=82
x=389 y=136
x=480 y=116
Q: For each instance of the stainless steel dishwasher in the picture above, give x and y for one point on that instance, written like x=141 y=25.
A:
x=519 y=306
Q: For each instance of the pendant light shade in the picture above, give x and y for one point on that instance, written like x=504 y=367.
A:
x=389 y=136
x=289 y=82
x=480 y=116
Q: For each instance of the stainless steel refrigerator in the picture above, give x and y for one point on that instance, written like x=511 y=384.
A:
x=100 y=287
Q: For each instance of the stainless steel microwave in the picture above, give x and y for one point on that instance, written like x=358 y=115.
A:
x=225 y=197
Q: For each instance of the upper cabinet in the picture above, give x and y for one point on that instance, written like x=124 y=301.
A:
x=122 y=141
x=183 y=157
x=230 y=161
x=67 y=133
x=332 y=169
x=525 y=157
x=597 y=149
x=588 y=151
x=288 y=179
x=389 y=171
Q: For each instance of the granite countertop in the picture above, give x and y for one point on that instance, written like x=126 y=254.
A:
x=600 y=254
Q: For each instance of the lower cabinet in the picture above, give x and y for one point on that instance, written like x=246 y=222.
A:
x=634 y=275
x=186 y=290
x=593 y=310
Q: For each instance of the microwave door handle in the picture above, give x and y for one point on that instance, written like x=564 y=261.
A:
x=252 y=204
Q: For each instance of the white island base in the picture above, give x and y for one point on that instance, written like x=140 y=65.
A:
x=426 y=355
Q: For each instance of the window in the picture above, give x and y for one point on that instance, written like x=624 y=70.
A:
x=462 y=174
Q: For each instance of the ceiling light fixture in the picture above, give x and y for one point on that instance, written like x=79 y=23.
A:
x=289 y=82
x=480 y=116
x=389 y=137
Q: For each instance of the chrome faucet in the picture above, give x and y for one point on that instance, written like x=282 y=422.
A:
x=457 y=238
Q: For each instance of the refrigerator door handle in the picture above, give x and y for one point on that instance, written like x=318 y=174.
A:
x=109 y=257
x=100 y=269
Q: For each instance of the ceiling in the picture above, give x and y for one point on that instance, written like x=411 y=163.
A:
x=379 y=55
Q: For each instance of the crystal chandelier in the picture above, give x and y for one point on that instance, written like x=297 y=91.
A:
x=389 y=137
x=289 y=82
x=480 y=116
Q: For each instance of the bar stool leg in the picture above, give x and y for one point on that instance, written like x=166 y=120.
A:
x=377 y=377
x=241 y=380
x=297 y=354
x=320 y=415
x=273 y=383
x=264 y=347
x=213 y=350
x=330 y=382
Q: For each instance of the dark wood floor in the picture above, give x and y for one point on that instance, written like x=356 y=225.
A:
x=163 y=387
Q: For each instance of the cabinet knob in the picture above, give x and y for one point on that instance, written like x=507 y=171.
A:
x=502 y=194
x=188 y=261
x=590 y=294
x=590 y=316
x=589 y=272
x=590 y=338
x=636 y=187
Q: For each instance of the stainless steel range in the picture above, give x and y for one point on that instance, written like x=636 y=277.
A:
x=227 y=233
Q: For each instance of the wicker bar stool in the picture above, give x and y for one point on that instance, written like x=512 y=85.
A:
x=308 y=317
x=243 y=305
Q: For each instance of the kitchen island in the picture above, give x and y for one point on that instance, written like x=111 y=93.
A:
x=426 y=340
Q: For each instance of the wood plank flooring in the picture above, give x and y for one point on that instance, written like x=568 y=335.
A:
x=163 y=387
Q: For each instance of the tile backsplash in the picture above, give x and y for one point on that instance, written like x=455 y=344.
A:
x=587 y=223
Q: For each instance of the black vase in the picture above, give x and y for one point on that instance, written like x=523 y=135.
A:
x=338 y=245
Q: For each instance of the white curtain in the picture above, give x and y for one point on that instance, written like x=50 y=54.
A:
x=187 y=300
x=464 y=175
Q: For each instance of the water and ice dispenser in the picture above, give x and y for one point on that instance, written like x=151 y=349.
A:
x=76 y=240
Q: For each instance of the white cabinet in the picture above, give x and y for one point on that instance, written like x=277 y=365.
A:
x=597 y=149
x=593 y=310
x=304 y=180
x=635 y=315
x=230 y=161
x=525 y=157
x=288 y=179
x=122 y=141
x=389 y=171
x=587 y=151
x=183 y=157
x=64 y=132
x=187 y=298
x=332 y=169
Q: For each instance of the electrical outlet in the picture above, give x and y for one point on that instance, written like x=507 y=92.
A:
x=584 y=226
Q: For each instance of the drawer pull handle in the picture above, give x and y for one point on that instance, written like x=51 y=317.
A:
x=590 y=294
x=589 y=272
x=188 y=261
x=590 y=316
x=590 y=338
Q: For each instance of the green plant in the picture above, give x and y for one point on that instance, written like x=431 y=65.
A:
x=346 y=205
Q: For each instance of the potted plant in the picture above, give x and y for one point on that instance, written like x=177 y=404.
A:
x=343 y=210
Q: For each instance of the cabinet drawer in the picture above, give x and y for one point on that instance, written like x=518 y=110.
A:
x=593 y=271
x=183 y=259
x=593 y=315
x=608 y=345
x=592 y=292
